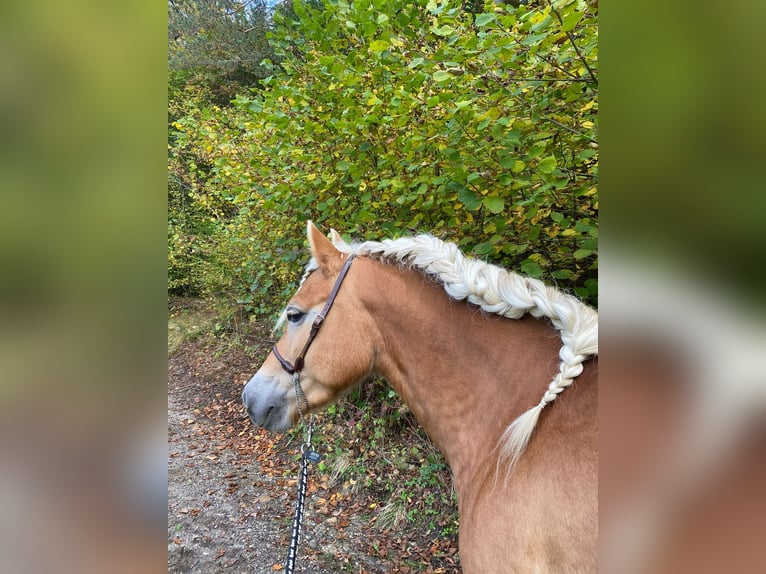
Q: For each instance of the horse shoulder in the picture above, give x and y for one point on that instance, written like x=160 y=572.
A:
x=543 y=518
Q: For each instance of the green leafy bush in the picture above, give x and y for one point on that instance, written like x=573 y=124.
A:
x=390 y=117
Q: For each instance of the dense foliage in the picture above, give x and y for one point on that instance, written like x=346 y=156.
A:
x=387 y=117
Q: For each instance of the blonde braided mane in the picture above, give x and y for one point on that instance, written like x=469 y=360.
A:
x=502 y=292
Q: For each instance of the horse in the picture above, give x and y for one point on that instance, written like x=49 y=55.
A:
x=469 y=347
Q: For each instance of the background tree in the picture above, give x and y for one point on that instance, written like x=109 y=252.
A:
x=225 y=39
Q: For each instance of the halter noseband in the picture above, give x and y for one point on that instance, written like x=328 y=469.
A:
x=293 y=368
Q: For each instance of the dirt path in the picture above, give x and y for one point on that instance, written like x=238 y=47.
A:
x=210 y=528
x=231 y=487
x=225 y=512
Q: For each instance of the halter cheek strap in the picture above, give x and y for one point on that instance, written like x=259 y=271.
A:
x=297 y=366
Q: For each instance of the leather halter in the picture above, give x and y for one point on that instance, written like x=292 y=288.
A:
x=296 y=367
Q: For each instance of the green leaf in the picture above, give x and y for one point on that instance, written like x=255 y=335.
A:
x=535 y=150
x=468 y=198
x=494 y=204
x=513 y=137
x=582 y=253
x=571 y=20
x=483 y=125
x=483 y=248
x=378 y=46
x=591 y=244
x=415 y=63
x=547 y=165
x=534 y=39
x=556 y=216
x=531 y=268
x=507 y=162
x=562 y=274
x=382 y=18
x=586 y=154
x=443 y=30
x=473 y=176
x=483 y=19
x=441 y=76
x=584 y=226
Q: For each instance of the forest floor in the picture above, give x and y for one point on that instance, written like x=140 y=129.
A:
x=380 y=502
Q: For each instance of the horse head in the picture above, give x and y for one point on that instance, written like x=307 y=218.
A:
x=327 y=363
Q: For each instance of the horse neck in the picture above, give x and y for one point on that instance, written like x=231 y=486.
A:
x=465 y=375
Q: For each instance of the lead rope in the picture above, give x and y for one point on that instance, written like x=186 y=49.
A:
x=308 y=456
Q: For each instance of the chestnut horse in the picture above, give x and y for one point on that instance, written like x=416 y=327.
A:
x=469 y=347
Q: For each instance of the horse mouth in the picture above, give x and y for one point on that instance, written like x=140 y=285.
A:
x=270 y=412
x=276 y=420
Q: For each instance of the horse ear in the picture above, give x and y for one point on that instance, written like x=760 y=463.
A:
x=336 y=237
x=330 y=260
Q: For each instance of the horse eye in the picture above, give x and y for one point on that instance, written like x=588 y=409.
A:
x=295 y=315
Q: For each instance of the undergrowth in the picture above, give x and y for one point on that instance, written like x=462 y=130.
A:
x=372 y=442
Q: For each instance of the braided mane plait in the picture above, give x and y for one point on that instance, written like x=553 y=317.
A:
x=498 y=291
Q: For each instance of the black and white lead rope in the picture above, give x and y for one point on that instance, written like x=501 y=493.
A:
x=308 y=456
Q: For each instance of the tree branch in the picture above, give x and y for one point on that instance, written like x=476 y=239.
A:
x=574 y=45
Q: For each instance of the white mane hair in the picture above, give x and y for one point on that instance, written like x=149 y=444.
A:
x=502 y=292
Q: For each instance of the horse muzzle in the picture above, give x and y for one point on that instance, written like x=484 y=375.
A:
x=267 y=404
